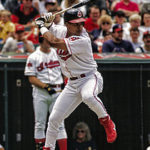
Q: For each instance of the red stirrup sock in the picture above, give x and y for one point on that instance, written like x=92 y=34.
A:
x=62 y=143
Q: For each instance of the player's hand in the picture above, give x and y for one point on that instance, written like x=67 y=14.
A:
x=40 y=22
x=49 y=89
x=48 y=17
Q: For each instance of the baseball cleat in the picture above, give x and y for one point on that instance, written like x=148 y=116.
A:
x=110 y=129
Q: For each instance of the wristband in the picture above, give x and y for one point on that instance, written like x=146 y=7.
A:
x=43 y=30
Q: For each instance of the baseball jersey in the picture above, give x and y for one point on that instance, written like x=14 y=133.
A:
x=45 y=66
x=79 y=57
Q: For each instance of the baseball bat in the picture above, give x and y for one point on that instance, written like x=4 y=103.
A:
x=73 y=6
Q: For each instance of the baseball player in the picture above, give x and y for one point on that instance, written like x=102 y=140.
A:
x=77 y=63
x=43 y=71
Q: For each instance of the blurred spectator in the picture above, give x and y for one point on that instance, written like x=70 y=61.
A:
x=146 y=46
x=102 y=4
x=18 y=43
x=25 y=13
x=145 y=22
x=1 y=147
x=32 y=34
x=134 y=22
x=127 y=6
x=50 y=5
x=134 y=34
x=92 y=22
x=107 y=36
x=117 y=44
x=120 y=19
x=82 y=139
x=145 y=6
x=6 y=26
x=11 y=5
x=97 y=35
x=67 y=3
x=40 y=6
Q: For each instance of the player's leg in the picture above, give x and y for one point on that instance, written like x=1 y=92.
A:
x=89 y=92
x=40 y=111
x=66 y=103
x=62 y=135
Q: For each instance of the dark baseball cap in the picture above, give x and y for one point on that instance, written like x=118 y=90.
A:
x=117 y=27
x=74 y=16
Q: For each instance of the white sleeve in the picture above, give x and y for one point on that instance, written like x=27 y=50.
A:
x=30 y=68
x=58 y=30
x=77 y=44
x=7 y=45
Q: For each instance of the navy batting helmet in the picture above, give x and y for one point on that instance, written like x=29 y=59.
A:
x=74 y=16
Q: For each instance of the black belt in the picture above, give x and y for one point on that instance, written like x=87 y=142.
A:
x=75 y=78
x=55 y=85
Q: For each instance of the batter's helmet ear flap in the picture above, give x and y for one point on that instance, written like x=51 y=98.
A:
x=40 y=38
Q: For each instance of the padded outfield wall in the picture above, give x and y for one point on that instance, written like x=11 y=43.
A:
x=126 y=95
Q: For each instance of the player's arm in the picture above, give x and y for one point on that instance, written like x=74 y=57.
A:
x=55 y=42
x=35 y=81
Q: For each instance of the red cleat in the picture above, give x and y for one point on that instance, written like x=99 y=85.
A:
x=110 y=129
x=46 y=148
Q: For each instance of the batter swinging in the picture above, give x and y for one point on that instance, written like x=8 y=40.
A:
x=77 y=63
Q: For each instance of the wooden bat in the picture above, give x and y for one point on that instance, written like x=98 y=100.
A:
x=74 y=6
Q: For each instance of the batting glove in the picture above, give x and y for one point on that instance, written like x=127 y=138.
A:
x=49 y=89
x=40 y=22
x=49 y=17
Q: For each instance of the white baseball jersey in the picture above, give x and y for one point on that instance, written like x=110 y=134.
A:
x=76 y=61
x=45 y=66
x=79 y=57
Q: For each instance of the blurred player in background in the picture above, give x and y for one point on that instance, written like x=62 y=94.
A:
x=43 y=71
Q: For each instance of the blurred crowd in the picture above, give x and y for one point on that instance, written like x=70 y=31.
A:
x=113 y=25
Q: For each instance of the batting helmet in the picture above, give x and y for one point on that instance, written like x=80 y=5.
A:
x=74 y=16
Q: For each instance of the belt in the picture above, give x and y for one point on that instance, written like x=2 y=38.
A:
x=80 y=76
x=55 y=85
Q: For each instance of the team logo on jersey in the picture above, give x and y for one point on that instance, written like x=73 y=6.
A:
x=51 y=64
x=64 y=55
x=79 y=14
x=29 y=64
